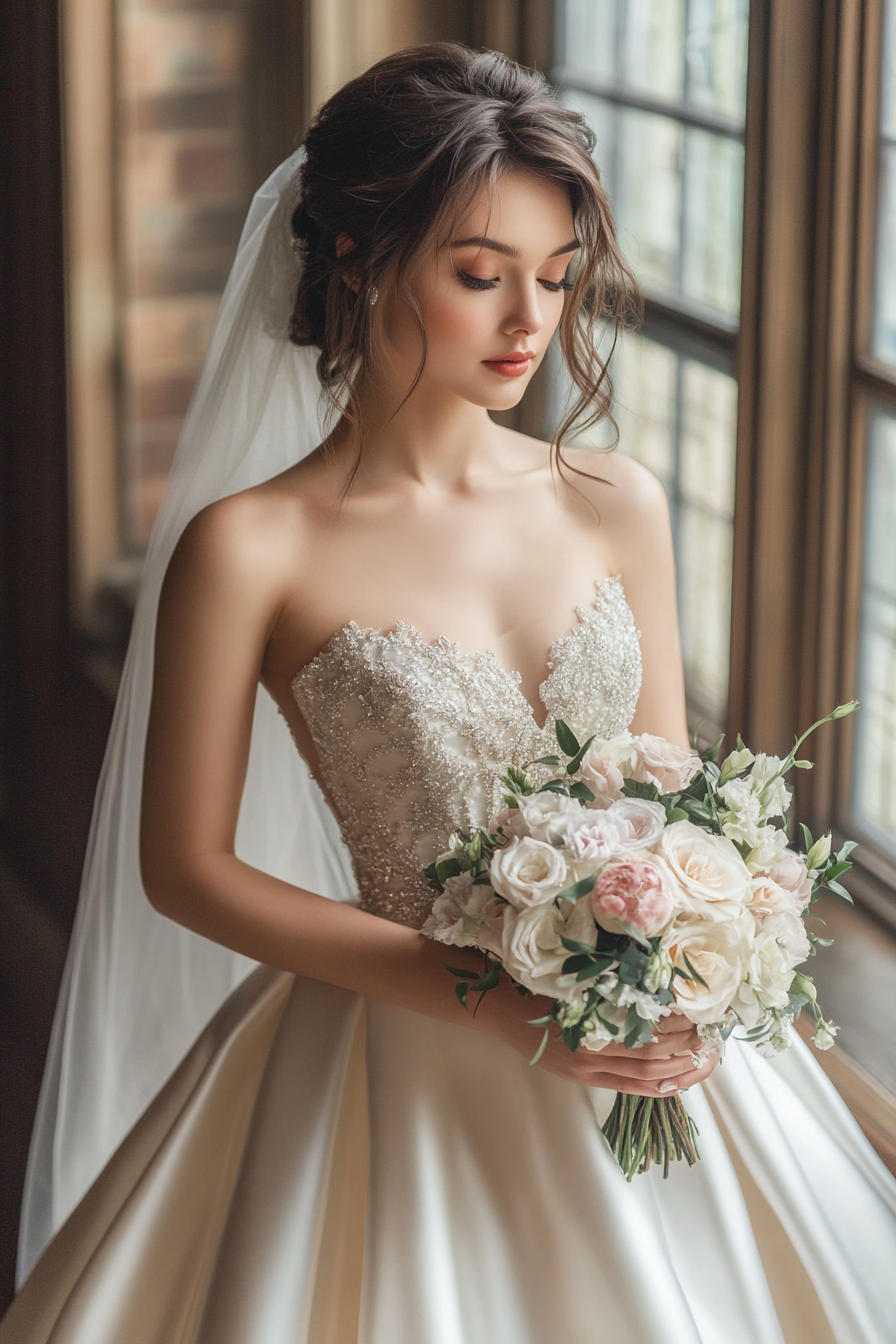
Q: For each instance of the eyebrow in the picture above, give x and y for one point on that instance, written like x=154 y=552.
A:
x=506 y=250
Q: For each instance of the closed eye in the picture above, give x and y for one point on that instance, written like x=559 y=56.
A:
x=474 y=282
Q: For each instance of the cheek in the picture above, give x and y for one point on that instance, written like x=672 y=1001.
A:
x=456 y=320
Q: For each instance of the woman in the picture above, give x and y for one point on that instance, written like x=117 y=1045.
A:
x=350 y=1155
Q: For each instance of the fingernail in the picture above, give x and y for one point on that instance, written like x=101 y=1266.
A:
x=668 y=1086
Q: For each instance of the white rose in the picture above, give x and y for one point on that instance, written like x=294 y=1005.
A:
x=656 y=761
x=742 y=815
x=712 y=876
x=528 y=872
x=549 y=815
x=605 y=766
x=717 y=953
x=767 y=897
x=532 y=951
x=508 y=819
x=791 y=873
x=643 y=822
x=457 y=914
x=596 y=835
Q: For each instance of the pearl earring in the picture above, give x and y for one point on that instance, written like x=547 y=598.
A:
x=372 y=295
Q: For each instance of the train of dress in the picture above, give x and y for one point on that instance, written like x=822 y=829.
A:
x=325 y=1170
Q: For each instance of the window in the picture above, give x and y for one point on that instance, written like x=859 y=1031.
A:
x=874 y=772
x=663 y=85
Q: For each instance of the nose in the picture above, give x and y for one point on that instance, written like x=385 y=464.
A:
x=524 y=316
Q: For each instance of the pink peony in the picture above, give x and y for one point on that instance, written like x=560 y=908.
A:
x=638 y=892
x=656 y=761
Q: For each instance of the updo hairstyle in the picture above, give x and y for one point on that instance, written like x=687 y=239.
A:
x=393 y=161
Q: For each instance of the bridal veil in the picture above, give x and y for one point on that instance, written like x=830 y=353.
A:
x=137 y=987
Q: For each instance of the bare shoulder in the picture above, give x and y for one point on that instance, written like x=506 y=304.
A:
x=252 y=537
x=622 y=489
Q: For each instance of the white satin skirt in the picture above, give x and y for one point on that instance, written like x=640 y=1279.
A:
x=321 y=1170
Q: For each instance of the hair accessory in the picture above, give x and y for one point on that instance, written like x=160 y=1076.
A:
x=296 y=245
x=372 y=295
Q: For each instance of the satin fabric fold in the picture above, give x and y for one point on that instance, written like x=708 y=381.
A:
x=324 y=1171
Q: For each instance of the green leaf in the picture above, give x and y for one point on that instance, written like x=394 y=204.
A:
x=577 y=759
x=837 y=890
x=572 y=946
x=569 y=743
x=577 y=962
x=455 y=970
x=677 y=814
x=554 y=786
x=581 y=791
x=632 y=964
x=807 y=836
x=848 y=847
x=460 y=990
x=835 y=870
x=447 y=868
x=541 y=1021
x=488 y=981
x=577 y=891
x=691 y=973
x=546 y=760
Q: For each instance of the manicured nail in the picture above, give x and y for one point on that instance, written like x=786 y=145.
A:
x=668 y=1086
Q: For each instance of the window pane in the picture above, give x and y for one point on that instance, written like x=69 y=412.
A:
x=874 y=792
x=647 y=187
x=589 y=38
x=885 y=290
x=717 y=56
x=183 y=193
x=711 y=233
x=653 y=48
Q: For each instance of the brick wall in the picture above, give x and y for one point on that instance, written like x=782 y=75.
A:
x=183 y=190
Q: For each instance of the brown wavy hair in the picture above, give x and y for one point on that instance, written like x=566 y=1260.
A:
x=394 y=159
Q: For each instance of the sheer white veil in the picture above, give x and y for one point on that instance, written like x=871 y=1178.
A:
x=138 y=988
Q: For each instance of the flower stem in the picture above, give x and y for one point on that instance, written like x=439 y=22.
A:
x=641 y=1130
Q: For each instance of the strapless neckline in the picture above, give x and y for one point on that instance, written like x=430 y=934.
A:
x=406 y=631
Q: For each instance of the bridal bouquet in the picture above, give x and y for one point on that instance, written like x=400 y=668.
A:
x=629 y=879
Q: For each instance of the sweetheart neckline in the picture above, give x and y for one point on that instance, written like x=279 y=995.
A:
x=442 y=641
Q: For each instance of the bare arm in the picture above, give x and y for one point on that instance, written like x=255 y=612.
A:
x=219 y=606
x=642 y=543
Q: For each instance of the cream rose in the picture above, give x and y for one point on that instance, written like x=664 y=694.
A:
x=656 y=761
x=791 y=872
x=532 y=951
x=605 y=766
x=643 y=822
x=528 y=872
x=767 y=898
x=712 y=877
x=549 y=815
x=717 y=953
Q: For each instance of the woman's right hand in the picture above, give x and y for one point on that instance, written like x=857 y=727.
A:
x=658 y=1070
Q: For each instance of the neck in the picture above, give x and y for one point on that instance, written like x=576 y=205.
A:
x=434 y=439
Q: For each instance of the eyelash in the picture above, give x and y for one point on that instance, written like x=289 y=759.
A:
x=474 y=282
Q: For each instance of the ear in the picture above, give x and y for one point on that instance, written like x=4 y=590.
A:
x=344 y=245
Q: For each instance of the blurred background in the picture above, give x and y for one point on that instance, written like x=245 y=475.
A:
x=750 y=151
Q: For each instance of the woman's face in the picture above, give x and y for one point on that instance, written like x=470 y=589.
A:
x=490 y=296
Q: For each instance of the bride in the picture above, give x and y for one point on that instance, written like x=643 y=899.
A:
x=346 y=1154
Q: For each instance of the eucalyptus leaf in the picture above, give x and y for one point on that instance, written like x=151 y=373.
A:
x=577 y=891
x=572 y=945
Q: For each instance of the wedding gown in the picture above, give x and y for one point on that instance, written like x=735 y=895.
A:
x=325 y=1170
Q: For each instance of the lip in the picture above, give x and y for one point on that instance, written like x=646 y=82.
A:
x=513 y=365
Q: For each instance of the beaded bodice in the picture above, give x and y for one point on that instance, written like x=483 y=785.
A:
x=413 y=735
